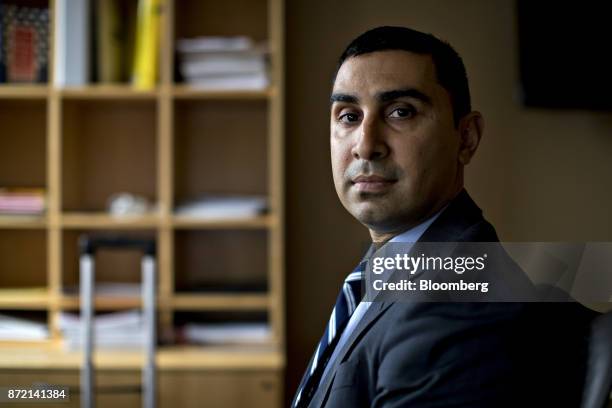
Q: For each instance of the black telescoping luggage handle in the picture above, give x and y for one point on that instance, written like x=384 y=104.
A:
x=89 y=244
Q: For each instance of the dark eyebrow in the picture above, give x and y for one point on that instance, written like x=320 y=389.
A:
x=384 y=96
x=339 y=97
x=403 y=93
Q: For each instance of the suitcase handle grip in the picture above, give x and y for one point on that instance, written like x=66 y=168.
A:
x=89 y=245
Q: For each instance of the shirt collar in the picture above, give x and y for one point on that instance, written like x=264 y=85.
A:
x=414 y=233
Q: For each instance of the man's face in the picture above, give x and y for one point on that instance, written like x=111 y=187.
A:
x=394 y=146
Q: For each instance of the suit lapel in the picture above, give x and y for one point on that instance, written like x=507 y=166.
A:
x=374 y=312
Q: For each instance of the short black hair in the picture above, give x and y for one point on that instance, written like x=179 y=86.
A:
x=449 y=67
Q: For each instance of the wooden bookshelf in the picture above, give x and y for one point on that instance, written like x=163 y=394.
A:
x=51 y=356
x=106 y=92
x=260 y=222
x=105 y=221
x=228 y=301
x=187 y=92
x=169 y=144
x=24 y=298
x=24 y=91
x=23 y=221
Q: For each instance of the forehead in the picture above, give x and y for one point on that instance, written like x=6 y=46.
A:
x=368 y=74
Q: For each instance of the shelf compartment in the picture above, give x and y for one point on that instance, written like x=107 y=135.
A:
x=112 y=266
x=28 y=91
x=195 y=18
x=112 y=92
x=227 y=328
x=188 y=222
x=221 y=301
x=26 y=298
x=23 y=145
x=221 y=147
x=109 y=147
x=23 y=257
x=104 y=221
x=220 y=261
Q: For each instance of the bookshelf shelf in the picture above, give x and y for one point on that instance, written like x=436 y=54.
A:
x=24 y=91
x=30 y=298
x=106 y=92
x=22 y=222
x=190 y=92
x=51 y=355
x=260 y=222
x=228 y=301
x=102 y=303
x=103 y=221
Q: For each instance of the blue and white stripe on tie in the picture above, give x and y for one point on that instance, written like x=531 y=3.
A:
x=346 y=303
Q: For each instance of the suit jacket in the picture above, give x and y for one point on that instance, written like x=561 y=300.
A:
x=443 y=354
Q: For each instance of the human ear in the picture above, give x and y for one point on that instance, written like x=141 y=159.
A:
x=471 y=127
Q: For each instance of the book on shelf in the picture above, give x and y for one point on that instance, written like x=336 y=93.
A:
x=115 y=29
x=24 y=43
x=94 y=41
x=224 y=206
x=72 y=43
x=20 y=329
x=108 y=42
x=147 y=44
x=223 y=63
x=22 y=201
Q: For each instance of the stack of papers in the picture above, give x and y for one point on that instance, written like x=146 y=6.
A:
x=223 y=63
x=111 y=289
x=227 y=333
x=219 y=206
x=120 y=330
x=16 y=329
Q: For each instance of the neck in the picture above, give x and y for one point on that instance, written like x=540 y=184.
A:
x=381 y=237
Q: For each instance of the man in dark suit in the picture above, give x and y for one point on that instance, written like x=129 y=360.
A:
x=402 y=130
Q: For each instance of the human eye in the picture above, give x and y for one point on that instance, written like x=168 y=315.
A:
x=348 y=117
x=402 y=112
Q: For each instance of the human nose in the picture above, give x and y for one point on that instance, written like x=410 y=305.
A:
x=370 y=144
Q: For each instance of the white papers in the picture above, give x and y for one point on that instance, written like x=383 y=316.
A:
x=232 y=82
x=227 y=333
x=218 y=206
x=120 y=330
x=211 y=44
x=223 y=63
x=17 y=329
x=111 y=289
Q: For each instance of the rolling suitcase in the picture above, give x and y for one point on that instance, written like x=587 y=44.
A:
x=88 y=245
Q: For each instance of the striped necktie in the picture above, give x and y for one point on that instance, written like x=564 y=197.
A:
x=348 y=299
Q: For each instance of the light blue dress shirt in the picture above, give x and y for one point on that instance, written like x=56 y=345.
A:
x=410 y=237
